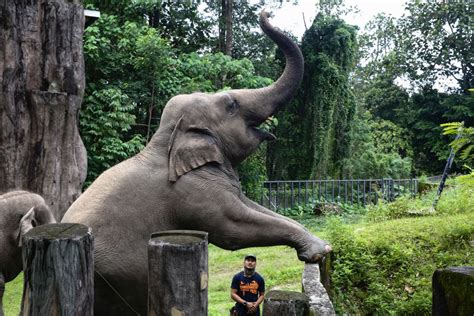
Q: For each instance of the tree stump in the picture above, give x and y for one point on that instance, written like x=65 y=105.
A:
x=453 y=291
x=41 y=88
x=58 y=270
x=178 y=273
x=286 y=303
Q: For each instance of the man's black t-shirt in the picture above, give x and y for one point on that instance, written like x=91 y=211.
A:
x=248 y=288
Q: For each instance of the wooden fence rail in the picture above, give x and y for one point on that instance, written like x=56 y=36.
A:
x=278 y=195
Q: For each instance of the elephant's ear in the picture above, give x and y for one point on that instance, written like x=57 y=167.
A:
x=26 y=223
x=189 y=148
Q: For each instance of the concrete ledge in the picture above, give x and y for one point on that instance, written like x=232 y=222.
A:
x=319 y=302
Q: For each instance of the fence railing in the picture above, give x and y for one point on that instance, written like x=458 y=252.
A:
x=288 y=194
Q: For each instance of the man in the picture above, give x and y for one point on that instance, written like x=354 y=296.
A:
x=248 y=289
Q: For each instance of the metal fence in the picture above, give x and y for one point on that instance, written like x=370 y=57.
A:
x=288 y=194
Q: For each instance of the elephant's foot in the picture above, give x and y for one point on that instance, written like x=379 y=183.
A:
x=314 y=251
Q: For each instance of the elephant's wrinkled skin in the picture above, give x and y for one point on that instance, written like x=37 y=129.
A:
x=19 y=212
x=185 y=179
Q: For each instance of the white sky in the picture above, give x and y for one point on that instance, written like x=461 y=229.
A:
x=290 y=17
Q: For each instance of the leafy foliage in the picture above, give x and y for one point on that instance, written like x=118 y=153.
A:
x=105 y=119
x=181 y=23
x=314 y=128
x=425 y=48
x=436 y=42
x=430 y=109
x=464 y=143
x=378 y=150
x=386 y=267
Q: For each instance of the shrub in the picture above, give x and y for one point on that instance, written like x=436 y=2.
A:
x=386 y=267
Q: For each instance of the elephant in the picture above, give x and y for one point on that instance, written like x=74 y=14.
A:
x=185 y=178
x=20 y=211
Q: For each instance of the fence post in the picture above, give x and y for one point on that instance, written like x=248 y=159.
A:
x=178 y=273
x=58 y=270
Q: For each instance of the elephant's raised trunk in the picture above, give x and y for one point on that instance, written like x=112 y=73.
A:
x=269 y=99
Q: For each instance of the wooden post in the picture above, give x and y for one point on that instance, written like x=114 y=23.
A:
x=286 y=303
x=177 y=273
x=58 y=270
x=453 y=291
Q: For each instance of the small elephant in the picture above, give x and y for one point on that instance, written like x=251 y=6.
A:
x=186 y=178
x=20 y=211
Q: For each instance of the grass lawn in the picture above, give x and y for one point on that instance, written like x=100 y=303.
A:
x=12 y=296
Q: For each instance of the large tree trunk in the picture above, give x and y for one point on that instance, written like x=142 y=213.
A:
x=222 y=25
x=42 y=84
x=229 y=34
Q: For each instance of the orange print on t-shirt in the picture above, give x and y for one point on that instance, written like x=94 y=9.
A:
x=251 y=287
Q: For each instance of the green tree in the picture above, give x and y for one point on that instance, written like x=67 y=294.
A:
x=436 y=43
x=430 y=45
x=429 y=110
x=181 y=23
x=314 y=129
x=378 y=149
x=105 y=119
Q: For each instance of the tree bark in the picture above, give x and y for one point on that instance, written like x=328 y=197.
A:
x=229 y=35
x=41 y=89
x=58 y=270
x=222 y=19
x=178 y=273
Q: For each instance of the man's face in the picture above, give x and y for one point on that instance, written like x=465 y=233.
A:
x=250 y=263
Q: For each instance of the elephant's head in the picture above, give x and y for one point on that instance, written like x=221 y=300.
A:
x=30 y=218
x=223 y=127
x=26 y=222
x=20 y=211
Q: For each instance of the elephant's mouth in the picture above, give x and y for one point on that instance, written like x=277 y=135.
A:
x=262 y=134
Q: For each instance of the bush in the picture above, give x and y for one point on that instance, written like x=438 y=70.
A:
x=385 y=265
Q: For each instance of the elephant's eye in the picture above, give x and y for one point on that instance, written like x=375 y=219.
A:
x=232 y=107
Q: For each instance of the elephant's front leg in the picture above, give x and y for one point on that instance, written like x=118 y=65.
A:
x=2 y=290
x=233 y=225
x=259 y=208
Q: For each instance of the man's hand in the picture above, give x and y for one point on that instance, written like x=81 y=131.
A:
x=251 y=307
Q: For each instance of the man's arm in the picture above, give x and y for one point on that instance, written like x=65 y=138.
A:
x=261 y=298
x=236 y=297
